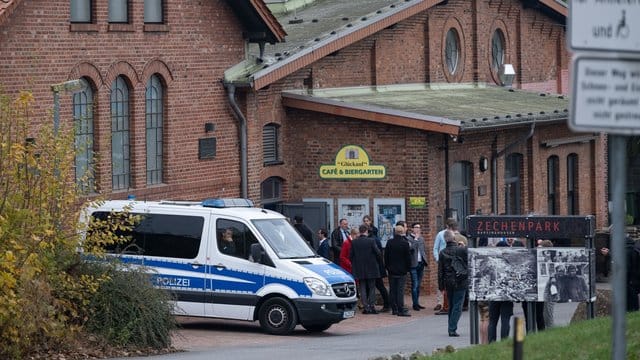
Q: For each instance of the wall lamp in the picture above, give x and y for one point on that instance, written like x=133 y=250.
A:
x=507 y=74
x=71 y=86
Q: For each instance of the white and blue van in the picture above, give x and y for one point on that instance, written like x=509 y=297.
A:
x=224 y=258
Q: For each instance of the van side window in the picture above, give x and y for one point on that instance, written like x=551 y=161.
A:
x=234 y=238
x=174 y=236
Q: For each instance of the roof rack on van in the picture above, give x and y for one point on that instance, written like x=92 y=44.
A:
x=227 y=202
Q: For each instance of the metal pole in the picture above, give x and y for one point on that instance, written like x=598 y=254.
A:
x=518 y=338
x=618 y=256
x=56 y=111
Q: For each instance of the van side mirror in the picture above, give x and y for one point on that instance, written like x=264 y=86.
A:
x=257 y=253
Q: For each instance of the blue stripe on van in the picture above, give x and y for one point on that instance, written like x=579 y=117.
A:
x=333 y=273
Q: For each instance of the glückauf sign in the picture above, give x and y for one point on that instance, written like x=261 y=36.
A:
x=352 y=163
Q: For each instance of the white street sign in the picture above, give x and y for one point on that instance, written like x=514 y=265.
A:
x=604 y=25
x=606 y=95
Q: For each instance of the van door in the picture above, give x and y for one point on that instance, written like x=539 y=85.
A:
x=233 y=278
x=174 y=247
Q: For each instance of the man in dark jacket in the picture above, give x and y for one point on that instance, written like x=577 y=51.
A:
x=455 y=285
x=397 y=258
x=365 y=257
x=304 y=230
x=338 y=236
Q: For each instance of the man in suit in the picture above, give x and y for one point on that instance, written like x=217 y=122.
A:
x=365 y=258
x=418 y=263
x=397 y=258
x=448 y=280
x=338 y=236
x=324 y=246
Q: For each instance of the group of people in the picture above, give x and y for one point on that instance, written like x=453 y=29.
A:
x=359 y=251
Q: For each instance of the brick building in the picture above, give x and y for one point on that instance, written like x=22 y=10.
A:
x=402 y=109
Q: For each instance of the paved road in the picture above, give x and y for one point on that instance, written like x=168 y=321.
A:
x=363 y=337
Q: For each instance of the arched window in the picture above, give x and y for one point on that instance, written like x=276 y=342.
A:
x=572 y=185
x=497 y=50
x=460 y=179
x=452 y=50
x=270 y=144
x=120 y=166
x=512 y=184
x=83 y=122
x=154 y=115
x=553 y=185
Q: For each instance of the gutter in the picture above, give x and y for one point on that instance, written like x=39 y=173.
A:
x=494 y=166
x=242 y=134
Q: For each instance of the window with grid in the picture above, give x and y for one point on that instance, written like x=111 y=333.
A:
x=153 y=11
x=460 y=176
x=512 y=183
x=572 y=184
x=81 y=11
x=553 y=185
x=120 y=161
x=154 y=114
x=270 y=143
x=119 y=11
x=83 y=138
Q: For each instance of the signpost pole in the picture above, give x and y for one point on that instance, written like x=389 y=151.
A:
x=619 y=184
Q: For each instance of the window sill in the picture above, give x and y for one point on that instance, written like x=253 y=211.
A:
x=121 y=27
x=273 y=162
x=156 y=28
x=82 y=27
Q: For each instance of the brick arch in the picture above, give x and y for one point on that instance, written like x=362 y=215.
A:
x=156 y=66
x=89 y=71
x=274 y=171
x=122 y=68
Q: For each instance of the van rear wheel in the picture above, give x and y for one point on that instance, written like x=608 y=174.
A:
x=316 y=327
x=278 y=317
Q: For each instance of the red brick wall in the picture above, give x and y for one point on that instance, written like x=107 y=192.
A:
x=203 y=39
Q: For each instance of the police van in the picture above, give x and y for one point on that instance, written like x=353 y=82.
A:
x=224 y=258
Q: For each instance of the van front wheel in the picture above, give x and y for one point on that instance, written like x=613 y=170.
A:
x=278 y=317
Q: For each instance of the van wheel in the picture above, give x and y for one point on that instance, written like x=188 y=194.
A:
x=316 y=327
x=278 y=317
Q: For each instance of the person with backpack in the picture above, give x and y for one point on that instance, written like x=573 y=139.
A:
x=453 y=278
x=632 y=250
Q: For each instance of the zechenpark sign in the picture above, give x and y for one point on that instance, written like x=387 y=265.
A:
x=538 y=227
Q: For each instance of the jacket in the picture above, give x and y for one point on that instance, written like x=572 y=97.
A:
x=365 y=258
x=397 y=256
x=417 y=247
x=446 y=274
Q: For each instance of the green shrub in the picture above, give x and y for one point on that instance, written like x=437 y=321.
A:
x=127 y=311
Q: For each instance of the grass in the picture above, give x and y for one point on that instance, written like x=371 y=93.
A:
x=590 y=339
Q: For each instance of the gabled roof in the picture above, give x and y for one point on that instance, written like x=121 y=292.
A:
x=260 y=23
x=443 y=108
x=326 y=26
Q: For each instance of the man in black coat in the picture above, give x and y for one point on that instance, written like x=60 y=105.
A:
x=338 y=236
x=397 y=258
x=365 y=257
x=304 y=230
x=456 y=286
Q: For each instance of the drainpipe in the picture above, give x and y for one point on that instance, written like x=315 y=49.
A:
x=494 y=166
x=242 y=132
x=447 y=203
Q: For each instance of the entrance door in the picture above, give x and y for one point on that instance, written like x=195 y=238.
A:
x=313 y=213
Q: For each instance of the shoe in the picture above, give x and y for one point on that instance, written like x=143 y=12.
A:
x=442 y=312
x=454 y=334
x=404 y=314
x=385 y=309
x=416 y=308
x=373 y=311
x=421 y=307
x=394 y=312
x=366 y=312
x=438 y=307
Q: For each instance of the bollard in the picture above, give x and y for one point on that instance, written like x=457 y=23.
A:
x=518 y=338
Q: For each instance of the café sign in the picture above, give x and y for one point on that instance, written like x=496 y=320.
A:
x=352 y=163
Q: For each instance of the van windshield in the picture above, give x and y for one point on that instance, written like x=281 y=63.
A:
x=283 y=238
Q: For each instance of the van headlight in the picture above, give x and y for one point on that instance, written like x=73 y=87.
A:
x=318 y=286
